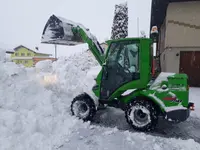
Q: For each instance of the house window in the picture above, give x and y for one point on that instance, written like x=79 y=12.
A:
x=26 y=61
x=29 y=54
x=22 y=54
x=16 y=54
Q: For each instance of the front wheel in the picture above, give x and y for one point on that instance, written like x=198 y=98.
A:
x=142 y=115
x=83 y=107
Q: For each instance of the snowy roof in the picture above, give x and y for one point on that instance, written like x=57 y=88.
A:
x=21 y=46
x=158 y=11
x=9 y=52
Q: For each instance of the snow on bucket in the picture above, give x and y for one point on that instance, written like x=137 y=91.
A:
x=60 y=31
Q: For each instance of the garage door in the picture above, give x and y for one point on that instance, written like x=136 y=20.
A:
x=190 y=64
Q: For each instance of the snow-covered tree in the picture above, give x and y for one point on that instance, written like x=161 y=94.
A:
x=120 y=21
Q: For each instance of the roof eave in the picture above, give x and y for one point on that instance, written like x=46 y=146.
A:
x=43 y=54
x=159 y=9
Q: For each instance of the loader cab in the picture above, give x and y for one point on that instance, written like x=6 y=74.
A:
x=127 y=66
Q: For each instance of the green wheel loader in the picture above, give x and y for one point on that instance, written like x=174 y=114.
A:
x=125 y=80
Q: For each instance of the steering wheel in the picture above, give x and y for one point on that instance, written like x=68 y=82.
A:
x=122 y=69
x=127 y=70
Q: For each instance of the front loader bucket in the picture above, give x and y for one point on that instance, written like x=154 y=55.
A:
x=59 y=31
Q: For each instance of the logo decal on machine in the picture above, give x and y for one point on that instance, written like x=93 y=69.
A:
x=173 y=99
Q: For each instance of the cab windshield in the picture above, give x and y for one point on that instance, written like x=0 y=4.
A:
x=125 y=54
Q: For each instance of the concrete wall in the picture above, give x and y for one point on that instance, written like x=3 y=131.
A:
x=183 y=24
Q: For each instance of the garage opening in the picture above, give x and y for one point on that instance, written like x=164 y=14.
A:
x=190 y=65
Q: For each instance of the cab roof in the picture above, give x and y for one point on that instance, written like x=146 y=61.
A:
x=125 y=39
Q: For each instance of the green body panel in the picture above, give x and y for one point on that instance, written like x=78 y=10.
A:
x=143 y=93
x=176 y=92
x=176 y=86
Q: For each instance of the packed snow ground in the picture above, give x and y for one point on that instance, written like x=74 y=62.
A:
x=36 y=116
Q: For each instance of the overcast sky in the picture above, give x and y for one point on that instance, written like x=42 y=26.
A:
x=22 y=21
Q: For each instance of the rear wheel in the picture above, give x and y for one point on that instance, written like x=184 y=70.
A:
x=142 y=115
x=83 y=107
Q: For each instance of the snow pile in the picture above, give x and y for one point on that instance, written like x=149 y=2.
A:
x=71 y=73
x=44 y=66
x=27 y=111
x=31 y=116
x=36 y=117
x=2 y=55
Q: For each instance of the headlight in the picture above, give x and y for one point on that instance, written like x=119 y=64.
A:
x=50 y=79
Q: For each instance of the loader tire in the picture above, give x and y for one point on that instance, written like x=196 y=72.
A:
x=83 y=107
x=142 y=115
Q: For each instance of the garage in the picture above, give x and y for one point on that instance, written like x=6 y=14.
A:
x=190 y=64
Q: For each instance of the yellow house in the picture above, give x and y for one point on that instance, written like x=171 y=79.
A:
x=25 y=56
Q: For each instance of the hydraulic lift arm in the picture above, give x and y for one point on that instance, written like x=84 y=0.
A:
x=93 y=44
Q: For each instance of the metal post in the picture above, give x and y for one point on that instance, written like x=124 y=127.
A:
x=154 y=49
x=138 y=26
x=55 y=51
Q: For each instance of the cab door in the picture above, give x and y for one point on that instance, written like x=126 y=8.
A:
x=122 y=66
